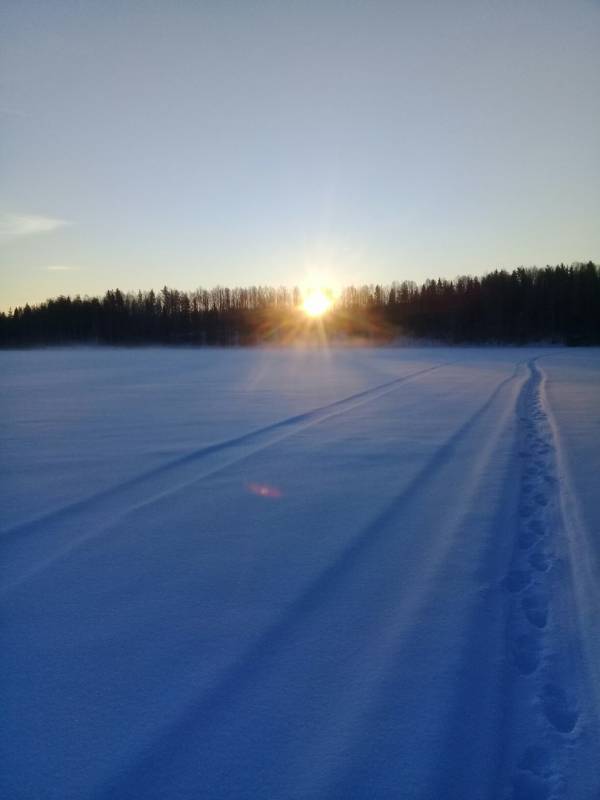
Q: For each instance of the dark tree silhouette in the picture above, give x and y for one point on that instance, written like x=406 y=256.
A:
x=553 y=304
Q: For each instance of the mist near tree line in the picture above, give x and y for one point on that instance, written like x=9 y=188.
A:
x=553 y=304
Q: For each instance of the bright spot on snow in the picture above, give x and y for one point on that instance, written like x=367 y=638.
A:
x=263 y=490
x=316 y=303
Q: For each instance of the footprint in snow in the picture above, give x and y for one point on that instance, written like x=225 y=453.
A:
x=527 y=539
x=526 y=654
x=538 y=760
x=536 y=526
x=525 y=510
x=560 y=712
x=539 y=561
x=527 y=786
x=535 y=608
x=517 y=579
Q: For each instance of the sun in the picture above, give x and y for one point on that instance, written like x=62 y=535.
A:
x=316 y=303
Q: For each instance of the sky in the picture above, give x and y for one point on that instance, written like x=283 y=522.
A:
x=237 y=143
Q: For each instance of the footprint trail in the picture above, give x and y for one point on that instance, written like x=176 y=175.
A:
x=545 y=710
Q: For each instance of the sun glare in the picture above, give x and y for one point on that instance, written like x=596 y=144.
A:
x=316 y=303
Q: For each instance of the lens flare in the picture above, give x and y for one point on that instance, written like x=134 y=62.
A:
x=316 y=303
x=263 y=490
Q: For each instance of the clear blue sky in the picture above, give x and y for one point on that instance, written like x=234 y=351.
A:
x=196 y=143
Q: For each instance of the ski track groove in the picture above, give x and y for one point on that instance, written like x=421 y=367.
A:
x=296 y=423
x=472 y=693
x=313 y=601
x=546 y=717
x=75 y=515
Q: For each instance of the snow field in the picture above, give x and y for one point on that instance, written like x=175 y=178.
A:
x=301 y=575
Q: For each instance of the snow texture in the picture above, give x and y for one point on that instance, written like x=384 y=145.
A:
x=300 y=574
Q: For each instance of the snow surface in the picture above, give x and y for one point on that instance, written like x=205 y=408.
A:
x=300 y=574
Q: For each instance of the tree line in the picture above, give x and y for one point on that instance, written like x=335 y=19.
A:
x=553 y=304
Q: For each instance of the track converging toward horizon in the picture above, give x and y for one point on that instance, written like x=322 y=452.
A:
x=349 y=574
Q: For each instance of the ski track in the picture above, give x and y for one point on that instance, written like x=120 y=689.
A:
x=240 y=446
x=545 y=715
x=525 y=623
x=368 y=561
x=107 y=507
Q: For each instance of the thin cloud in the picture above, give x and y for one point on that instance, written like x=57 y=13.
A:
x=16 y=226
x=59 y=268
x=12 y=112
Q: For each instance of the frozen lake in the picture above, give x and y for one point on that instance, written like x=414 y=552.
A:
x=300 y=573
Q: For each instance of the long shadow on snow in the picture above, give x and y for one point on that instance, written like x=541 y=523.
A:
x=472 y=692
x=157 y=758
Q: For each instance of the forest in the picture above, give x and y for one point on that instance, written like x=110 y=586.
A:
x=554 y=304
